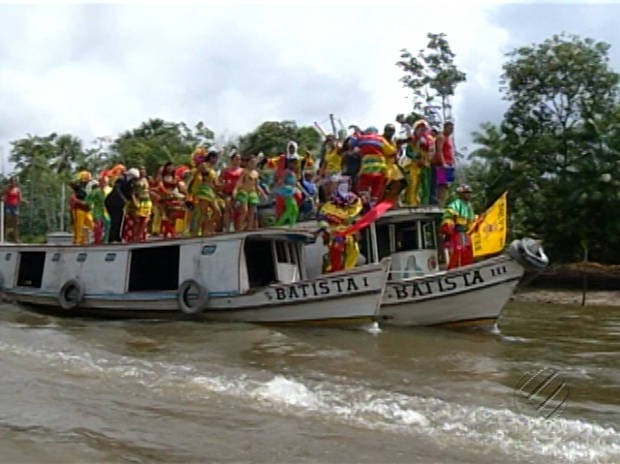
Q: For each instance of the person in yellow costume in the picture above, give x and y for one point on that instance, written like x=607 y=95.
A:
x=419 y=151
x=82 y=219
x=395 y=179
x=329 y=167
x=336 y=216
x=203 y=187
x=143 y=207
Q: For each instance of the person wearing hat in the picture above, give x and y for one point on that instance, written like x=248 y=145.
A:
x=138 y=210
x=457 y=219
x=116 y=200
x=101 y=220
x=338 y=214
x=81 y=219
x=203 y=188
x=286 y=191
x=419 y=151
x=172 y=201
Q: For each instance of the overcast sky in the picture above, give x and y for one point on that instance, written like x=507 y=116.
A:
x=99 y=69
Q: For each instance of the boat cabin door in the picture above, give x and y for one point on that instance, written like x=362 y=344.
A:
x=269 y=261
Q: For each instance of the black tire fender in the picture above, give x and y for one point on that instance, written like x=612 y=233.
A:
x=192 y=297
x=71 y=294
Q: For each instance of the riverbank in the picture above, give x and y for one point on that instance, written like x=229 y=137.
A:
x=563 y=284
x=567 y=297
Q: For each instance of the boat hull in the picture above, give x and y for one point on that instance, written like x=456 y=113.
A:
x=472 y=295
x=347 y=297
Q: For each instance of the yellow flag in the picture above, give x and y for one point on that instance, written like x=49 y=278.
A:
x=490 y=234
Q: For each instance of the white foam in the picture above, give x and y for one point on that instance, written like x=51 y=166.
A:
x=282 y=390
x=448 y=422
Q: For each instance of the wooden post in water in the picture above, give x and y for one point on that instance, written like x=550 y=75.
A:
x=584 y=274
x=1 y=221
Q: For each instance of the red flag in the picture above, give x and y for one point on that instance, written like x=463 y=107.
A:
x=371 y=216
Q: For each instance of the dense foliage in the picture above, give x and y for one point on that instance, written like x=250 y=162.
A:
x=557 y=149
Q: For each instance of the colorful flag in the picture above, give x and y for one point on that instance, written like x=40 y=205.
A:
x=371 y=216
x=488 y=234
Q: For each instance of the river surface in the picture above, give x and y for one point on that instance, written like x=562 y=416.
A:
x=78 y=390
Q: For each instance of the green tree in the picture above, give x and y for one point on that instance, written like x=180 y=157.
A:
x=271 y=138
x=156 y=142
x=44 y=165
x=557 y=147
x=431 y=74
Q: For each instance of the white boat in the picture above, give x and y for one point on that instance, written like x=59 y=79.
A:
x=418 y=291
x=257 y=276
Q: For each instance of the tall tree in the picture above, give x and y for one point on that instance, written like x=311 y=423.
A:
x=271 y=138
x=43 y=165
x=156 y=142
x=431 y=74
x=559 y=142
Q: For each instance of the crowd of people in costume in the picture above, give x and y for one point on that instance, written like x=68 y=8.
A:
x=347 y=177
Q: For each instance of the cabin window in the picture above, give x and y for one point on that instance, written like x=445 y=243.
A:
x=365 y=249
x=287 y=255
x=405 y=237
x=208 y=250
x=31 y=265
x=287 y=252
x=282 y=252
x=383 y=240
x=429 y=236
x=155 y=268
x=7 y=257
x=55 y=257
x=259 y=262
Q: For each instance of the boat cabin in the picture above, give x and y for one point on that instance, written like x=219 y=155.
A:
x=225 y=265
x=410 y=236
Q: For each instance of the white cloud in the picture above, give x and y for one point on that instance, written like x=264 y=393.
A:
x=94 y=70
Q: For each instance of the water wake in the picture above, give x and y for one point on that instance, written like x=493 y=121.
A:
x=335 y=400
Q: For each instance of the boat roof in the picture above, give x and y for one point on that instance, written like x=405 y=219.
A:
x=297 y=235
x=412 y=212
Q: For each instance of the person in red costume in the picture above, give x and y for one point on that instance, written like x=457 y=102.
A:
x=228 y=180
x=374 y=149
x=458 y=219
x=443 y=163
x=12 y=199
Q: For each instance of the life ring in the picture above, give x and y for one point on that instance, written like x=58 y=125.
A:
x=71 y=294
x=192 y=297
